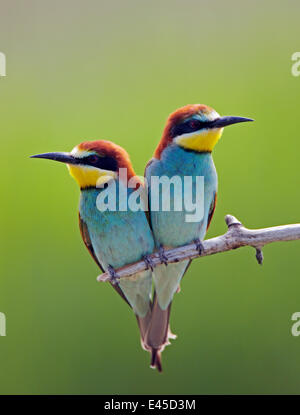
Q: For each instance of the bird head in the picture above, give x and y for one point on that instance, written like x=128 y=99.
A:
x=195 y=127
x=93 y=163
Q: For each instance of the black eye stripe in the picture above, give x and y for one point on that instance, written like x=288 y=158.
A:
x=92 y=159
x=189 y=126
x=104 y=163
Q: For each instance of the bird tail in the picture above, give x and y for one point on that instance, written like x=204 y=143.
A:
x=137 y=291
x=143 y=323
x=166 y=280
x=158 y=333
x=156 y=359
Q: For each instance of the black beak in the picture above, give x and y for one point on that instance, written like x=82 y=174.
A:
x=224 y=121
x=62 y=157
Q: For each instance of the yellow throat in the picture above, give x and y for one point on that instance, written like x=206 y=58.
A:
x=88 y=176
x=200 y=141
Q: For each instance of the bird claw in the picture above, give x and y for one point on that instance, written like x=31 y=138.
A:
x=199 y=246
x=113 y=276
x=162 y=256
x=149 y=262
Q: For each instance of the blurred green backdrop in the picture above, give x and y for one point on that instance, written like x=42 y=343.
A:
x=93 y=69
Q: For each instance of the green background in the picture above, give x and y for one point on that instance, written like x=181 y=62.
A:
x=79 y=70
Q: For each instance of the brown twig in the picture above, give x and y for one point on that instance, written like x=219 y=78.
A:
x=235 y=237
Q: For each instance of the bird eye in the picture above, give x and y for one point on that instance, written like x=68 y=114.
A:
x=194 y=124
x=93 y=159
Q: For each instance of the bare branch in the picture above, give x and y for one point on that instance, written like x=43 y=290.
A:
x=236 y=237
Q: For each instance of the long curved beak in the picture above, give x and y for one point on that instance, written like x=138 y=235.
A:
x=224 y=121
x=61 y=157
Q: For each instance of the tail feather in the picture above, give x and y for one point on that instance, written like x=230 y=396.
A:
x=158 y=333
x=166 y=281
x=143 y=323
x=156 y=360
x=137 y=291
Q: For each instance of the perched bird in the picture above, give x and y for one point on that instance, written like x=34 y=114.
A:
x=185 y=149
x=117 y=236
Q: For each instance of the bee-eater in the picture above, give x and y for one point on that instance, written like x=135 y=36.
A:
x=185 y=149
x=117 y=237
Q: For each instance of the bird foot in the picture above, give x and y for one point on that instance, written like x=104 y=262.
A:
x=199 y=246
x=162 y=256
x=113 y=276
x=149 y=262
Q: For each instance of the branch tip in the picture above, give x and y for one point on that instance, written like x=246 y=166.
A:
x=232 y=220
x=259 y=256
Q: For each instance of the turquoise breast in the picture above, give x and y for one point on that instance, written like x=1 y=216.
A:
x=118 y=237
x=172 y=228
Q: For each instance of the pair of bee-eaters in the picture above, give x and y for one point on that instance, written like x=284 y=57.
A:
x=119 y=237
